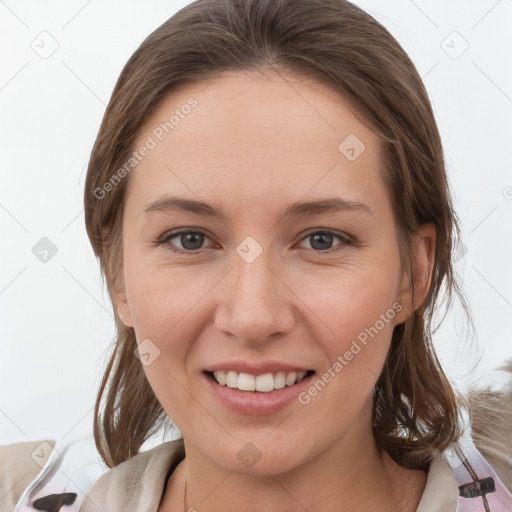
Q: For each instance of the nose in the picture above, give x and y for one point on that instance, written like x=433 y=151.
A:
x=256 y=303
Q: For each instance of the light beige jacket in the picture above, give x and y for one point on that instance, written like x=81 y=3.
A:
x=138 y=484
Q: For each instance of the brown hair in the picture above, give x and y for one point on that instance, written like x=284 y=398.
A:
x=415 y=407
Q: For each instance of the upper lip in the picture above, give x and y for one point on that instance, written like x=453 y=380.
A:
x=256 y=369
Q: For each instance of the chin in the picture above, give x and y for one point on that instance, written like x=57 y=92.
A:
x=260 y=457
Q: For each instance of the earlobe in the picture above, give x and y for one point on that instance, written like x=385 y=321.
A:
x=423 y=245
x=123 y=309
x=120 y=303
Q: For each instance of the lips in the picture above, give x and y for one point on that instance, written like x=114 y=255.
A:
x=255 y=369
x=255 y=403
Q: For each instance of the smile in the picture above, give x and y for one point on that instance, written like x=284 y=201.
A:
x=264 y=383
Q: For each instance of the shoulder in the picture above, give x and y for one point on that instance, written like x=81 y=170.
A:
x=40 y=469
x=20 y=463
x=137 y=483
x=491 y=426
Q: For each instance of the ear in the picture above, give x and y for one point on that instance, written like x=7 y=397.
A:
x=122 y=307
x=423 y=244
x=117 y=289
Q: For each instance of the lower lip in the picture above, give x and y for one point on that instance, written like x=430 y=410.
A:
x=254 y=403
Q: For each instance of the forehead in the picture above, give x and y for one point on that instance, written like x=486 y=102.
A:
x=256 y=136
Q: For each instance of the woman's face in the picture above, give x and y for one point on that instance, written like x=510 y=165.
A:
x=257 y=289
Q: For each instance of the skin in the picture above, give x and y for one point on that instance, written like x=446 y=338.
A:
x=296 y=302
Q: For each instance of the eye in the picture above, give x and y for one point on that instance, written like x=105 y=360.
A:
x=321 y=241
x=191 y=241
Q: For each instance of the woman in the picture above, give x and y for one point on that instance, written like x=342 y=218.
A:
x=268 y=201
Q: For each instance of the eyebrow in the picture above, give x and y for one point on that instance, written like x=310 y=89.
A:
x=334 y=204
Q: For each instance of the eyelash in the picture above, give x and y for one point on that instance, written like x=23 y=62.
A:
x=345 y=239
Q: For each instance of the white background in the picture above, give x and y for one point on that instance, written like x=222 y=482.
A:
x=56 y=321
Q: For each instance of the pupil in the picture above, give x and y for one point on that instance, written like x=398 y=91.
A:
x=321 y=236
x=185 y=238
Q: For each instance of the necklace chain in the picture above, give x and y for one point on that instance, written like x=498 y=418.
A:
x=185 y=496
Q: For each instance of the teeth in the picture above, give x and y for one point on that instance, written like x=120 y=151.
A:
x=262 y=383
x=291 y=378
x=232 y=379
x=246 y=382
x=221 y=377
x=280 y=380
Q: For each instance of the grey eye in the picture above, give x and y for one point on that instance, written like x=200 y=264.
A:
x=321 y=241
x=191 y=241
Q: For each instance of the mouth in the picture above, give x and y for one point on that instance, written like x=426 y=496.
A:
x=263 y=383
x=257 y=392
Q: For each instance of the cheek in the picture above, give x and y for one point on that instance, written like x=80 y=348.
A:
x=354 y=311
x=162 y=305
x=161 y=297
x=166 y=305
x=350 y=301
x=355 y=354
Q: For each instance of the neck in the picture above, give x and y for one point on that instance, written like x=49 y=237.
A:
x=349 y=476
